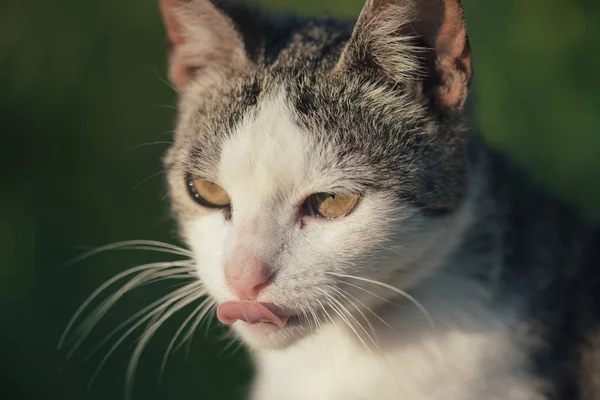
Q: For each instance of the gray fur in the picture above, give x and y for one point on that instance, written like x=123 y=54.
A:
x=379 y=127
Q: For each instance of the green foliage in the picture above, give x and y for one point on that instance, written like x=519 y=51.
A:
x=83 y=84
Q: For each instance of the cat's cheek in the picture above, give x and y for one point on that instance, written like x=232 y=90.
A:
x=206 y=236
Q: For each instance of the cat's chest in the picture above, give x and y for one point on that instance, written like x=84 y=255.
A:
x=327 y=370
x=449 y=365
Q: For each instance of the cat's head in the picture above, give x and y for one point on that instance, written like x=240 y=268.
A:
x=311 y=158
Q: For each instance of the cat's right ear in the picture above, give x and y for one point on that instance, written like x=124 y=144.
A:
x=201 y=40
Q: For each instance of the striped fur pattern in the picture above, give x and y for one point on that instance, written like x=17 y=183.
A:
x=455 y=277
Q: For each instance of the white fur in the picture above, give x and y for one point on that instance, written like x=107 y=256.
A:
x=268 y=166
x=469 y=355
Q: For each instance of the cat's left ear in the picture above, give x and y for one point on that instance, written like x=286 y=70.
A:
x=201 y=40
x=408 y=40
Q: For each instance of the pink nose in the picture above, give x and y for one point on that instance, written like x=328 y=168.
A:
x=248 y=281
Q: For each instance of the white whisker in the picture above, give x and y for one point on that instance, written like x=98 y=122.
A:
x=303 y=315
x=148 y=271
x=389 y=369
x=184 y=276
x=138 y=314
x=341 y=293
x=339 y=312
x=190 y=290
x=317 y=322
x=394 y=289
x=188 y=337
x=211 y=309
x=196 y=311
x=152 y=266
x=155 y=249
x=146 y=179
x=326 y=313
x=367 y=308
x=147 y=335
x=232 y=342
x=152 y=245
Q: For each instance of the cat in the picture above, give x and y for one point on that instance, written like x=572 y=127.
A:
x=325 y=178
x=360 y=238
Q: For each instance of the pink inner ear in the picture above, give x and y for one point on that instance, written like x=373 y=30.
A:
x=441 y=23
x=200 y=36
x=172 y=25
x=452 y=41
x=179 y=73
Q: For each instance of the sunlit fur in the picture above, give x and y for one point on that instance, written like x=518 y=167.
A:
x=382 y=303
x=268 y=167
x=440 y=284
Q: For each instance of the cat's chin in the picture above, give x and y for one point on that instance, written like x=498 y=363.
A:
x=265 y=335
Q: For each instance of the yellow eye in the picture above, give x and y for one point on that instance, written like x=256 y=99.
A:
x=331 y=205
x=207 y=193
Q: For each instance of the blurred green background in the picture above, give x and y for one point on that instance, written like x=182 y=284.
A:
x=82 y=86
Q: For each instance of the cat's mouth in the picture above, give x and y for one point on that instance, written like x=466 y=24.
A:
x=251 y=312
x=263 y=325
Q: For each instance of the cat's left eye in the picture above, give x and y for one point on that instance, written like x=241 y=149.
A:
x=331 y=205
x=207 y=193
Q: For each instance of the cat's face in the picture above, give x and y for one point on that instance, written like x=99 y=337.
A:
x=298 y=178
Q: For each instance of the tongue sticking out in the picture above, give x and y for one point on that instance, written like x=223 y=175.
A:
x=251 y=312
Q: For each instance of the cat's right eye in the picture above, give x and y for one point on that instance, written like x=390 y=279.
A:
x=207 y=193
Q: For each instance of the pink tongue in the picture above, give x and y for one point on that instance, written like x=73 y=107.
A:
x=248 y=311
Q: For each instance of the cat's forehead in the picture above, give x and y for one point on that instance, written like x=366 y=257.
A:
x=347 y=118
x=297 y=132
x=267 y=152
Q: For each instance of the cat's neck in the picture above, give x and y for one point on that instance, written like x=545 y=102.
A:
x=451 y=347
